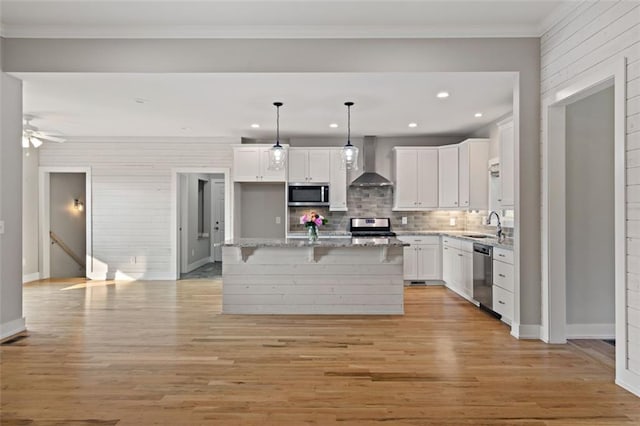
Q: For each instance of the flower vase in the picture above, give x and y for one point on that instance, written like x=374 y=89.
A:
x=312 y=233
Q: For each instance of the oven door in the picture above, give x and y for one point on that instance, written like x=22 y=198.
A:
x=308 y=195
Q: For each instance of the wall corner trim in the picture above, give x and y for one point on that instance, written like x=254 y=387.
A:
x=27 y=278
x=11 y=328
x=526 y=331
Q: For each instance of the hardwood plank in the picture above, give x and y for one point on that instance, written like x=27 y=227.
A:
x=161 y=352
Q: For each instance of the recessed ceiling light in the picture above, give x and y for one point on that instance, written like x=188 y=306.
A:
x=412 y=125
x=478 y=115
x=443 y=95
x=333 y=125
x=255 y=126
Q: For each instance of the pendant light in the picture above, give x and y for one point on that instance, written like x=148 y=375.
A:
x=349 y=152
x=277 y=153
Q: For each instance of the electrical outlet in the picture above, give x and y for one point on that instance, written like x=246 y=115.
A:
x=1 y=227
x=278 y=220
x=404 y=220
x=452 y=221
x=132 y=260
x=193 y=252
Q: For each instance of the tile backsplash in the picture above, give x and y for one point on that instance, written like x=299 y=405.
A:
x=378 y=202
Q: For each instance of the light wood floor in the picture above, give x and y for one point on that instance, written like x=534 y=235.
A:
x=147 y=353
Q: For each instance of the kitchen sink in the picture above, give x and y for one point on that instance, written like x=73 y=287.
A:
x=475 y=236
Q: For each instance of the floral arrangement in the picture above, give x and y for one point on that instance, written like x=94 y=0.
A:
x=313 y=219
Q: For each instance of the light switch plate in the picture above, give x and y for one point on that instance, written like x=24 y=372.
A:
x=452 y=221
x=404 y=220
x=278 y=220
x=1 y=227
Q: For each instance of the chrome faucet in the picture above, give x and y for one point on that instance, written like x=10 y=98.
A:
x=499 y=227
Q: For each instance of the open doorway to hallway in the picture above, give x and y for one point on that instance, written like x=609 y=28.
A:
x=201 y=225
x=590 y=227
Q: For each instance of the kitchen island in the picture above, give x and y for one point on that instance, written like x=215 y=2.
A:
x=330 y=276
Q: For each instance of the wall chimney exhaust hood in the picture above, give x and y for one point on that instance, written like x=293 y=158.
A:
x=370 y=178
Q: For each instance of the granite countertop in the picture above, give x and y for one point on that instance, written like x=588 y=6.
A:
x=320 y=243
x=491 y=240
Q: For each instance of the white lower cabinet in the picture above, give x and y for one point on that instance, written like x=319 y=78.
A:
x=457 y=266
x=422 y=259
x=503 y=283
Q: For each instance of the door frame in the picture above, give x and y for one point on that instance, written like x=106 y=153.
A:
x=175 y=205
x=213 y=182
x=44 y=218
x=554 y=208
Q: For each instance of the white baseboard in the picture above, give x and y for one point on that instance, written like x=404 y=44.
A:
x=526 y=331
x=27 y=278
x=11 y=328
x=198 y=263
x=590 y=331
x=629 y=381
x=123 y=276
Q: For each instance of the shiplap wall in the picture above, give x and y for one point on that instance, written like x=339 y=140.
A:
x=132 y=196
x=584 y=35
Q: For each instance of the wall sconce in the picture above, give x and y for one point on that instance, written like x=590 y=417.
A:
x=78 y=205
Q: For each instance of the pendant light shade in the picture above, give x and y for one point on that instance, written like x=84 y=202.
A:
x=277 y=153
x=349 y=152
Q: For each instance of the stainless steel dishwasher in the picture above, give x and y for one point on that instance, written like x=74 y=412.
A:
x=483 y=275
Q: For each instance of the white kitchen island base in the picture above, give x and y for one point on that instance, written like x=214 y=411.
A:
x=322 y=278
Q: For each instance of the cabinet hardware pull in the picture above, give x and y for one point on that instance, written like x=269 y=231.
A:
x=501 y=255
x=460 y=255
x=502 y=275
x=501 y=302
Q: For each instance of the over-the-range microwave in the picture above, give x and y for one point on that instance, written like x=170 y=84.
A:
x=308 y=194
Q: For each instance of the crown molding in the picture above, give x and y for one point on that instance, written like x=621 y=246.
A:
x=272 y=32
x=225 y=140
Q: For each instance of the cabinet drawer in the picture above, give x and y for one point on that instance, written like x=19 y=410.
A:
x=503 y=302
x=503 y=275
x=451 y=242
x=466 y=246
x=503 y=255
x=429 y=240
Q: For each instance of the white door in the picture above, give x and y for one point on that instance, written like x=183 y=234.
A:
x=298 y=160
x=267 y=175
x=410 y=266
x=429 y=262
x=427 y=174
x=319 y=165
x=448 y=176
x=466 y=274
x=464 y=169
x=406 y=189
x=447 y=265
x=184 y=221
x=507 y=199
x=218 y=220
x=246 y=164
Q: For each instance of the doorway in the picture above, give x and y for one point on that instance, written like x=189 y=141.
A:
x=65 y=222
x=201 y=225
x=584 y=247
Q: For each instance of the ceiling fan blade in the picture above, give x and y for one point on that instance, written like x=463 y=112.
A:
x=49 y=137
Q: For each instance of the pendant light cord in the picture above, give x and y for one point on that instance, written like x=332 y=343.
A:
x=277 y=105
x=349 y=105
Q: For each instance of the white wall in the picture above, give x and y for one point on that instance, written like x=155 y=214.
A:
x=11 y=320
x=199 y=248
x=68 y=223
x=580 y=37
x=132 y=197
x=590 y=224
x=30 y=241
x=260 y=204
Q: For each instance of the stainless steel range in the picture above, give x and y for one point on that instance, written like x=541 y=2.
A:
x=371 y=229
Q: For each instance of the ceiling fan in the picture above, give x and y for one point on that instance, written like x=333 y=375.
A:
x=31 y=135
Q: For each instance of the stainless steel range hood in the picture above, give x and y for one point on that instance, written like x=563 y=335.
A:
x=370 y=177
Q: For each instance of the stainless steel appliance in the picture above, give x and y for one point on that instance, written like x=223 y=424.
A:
x=363 y=227
x=483 y=275
x=309 y=194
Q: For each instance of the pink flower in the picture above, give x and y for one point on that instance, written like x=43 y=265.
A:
x=304 y=219
x=318 y=222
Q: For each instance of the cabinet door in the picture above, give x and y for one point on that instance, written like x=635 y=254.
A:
x=447 y=265
x=466 y=268
x=448 y=176
x=406 y=189
x=507 y=185
x=267 y=175
x=429 y=262
x=463 y=175
x=410 y=265
x=319 y=166
x=427 y=174
x=337 y=183
x=297 y=162
x=246 y=164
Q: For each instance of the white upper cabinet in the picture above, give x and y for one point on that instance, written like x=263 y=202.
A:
x=416 y=178
x=473 y=192
x=309 y=165
x=448 y=176
x=337 y=182
x=507 y=161
x=251 y=164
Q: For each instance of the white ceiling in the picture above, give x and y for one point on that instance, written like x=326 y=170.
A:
x=205 y=105
x=274 y=18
